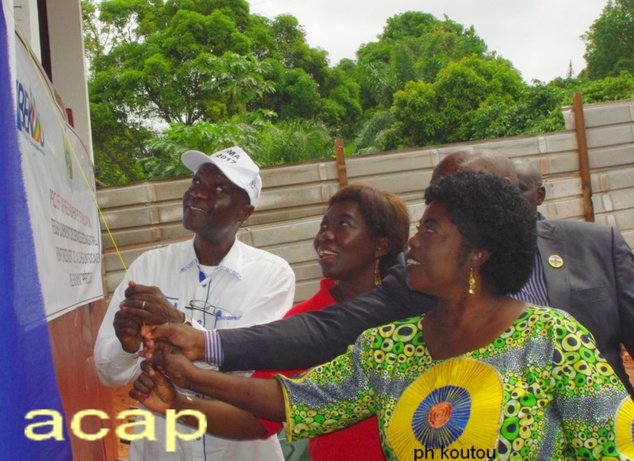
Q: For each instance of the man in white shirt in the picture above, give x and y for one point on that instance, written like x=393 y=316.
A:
x=213 y=281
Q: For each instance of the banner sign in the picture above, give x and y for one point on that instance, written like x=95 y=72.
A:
x=60 y=187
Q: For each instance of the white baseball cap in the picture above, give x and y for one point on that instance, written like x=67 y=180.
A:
x=235 y=164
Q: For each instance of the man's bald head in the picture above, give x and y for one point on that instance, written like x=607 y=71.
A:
x=471 y=158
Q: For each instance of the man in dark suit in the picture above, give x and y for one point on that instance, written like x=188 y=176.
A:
x=589 y=273
x=586 y=269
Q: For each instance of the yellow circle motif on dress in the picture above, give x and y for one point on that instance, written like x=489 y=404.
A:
x=456 y=405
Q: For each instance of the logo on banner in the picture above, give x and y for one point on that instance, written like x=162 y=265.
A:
x=29 y=121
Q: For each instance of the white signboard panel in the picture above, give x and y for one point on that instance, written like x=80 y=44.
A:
x=60 y=187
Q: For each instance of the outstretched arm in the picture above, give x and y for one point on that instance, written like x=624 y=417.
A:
x=304 y=340
x=312 y=338
x=158 y=394
x=260 y=396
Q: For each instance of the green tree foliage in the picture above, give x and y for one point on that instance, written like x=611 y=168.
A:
x=294 y=52
x=537 y=109
x=95 y=34
x=608 y=88
x=294 y=141
x=376 y=134
x=236 y=80
x=433 y=113
x=167 y=148
x=172 y=75
x=163 y=70
x=416 y=110
x=267 y=143
x=299 y=96
x=610 y=41
x=414 y=46
x=118 y=147
x=341 y=106
x=156 y=64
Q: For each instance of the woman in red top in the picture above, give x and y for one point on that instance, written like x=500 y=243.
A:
x=359 y=239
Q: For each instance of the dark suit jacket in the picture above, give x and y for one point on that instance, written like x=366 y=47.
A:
x=595 y=284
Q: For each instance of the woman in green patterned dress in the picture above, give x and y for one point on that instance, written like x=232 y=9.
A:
x=480 y=376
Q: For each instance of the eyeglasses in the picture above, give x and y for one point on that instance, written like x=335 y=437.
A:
x=209 y=309
x=202 y=306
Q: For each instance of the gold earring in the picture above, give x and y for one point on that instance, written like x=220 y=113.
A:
x=472 y=282
x=377 y=273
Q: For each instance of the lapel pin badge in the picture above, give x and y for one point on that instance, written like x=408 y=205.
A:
x=555 y=261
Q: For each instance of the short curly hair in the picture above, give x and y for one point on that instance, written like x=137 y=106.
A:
x=386 y=214
x=490 y=213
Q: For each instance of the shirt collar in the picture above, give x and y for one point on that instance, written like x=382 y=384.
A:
x=231 y=263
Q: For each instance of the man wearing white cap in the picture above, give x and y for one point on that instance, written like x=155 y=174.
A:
x=212 y=281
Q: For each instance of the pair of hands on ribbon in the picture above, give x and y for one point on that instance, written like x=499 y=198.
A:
x=148 y=321
x=165 y=366
x=143 y=306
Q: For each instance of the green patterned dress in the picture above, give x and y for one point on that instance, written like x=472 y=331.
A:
x=541 y=390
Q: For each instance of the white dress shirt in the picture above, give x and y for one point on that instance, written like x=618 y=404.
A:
x=248 y=287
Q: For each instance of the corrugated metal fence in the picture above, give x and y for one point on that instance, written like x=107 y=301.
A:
x=148 y=214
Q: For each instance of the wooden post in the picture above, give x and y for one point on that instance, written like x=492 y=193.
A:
x=584 y=162
x=341 y=163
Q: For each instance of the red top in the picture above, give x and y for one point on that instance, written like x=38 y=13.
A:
x=357 y=442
